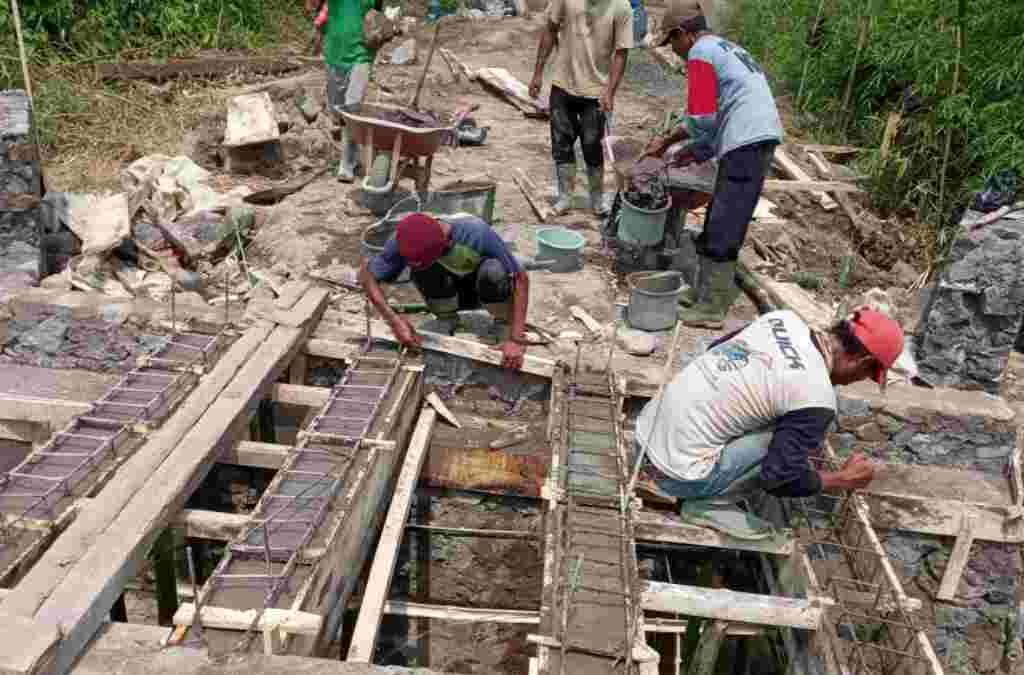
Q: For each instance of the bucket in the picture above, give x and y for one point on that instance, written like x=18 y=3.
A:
x=562 y=246
x=641 y=226
x=654 y=299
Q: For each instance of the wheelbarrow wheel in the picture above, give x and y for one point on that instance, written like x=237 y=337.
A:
x=381 y=170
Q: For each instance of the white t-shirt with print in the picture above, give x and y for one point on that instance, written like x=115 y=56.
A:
x=767 y=370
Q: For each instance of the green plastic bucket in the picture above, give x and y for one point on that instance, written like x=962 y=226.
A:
x=641 y=226
x=561 y=245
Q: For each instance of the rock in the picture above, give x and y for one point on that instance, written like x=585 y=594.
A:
x=904 y=274
x=46 y=337
x=974 y=313
x=309 y=108
x=404 y=54
x=57 y=282
x=637 y=343
x=870 y=432
x=22 y=257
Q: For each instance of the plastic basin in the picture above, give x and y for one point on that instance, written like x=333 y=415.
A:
x=561 y=245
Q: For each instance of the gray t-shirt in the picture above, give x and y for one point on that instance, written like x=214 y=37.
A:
x=730 y=102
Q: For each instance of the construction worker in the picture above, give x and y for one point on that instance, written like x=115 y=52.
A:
x=745 y=416
x=455 y=264
x=731 y=115
x=593 y=37
x=348 y=62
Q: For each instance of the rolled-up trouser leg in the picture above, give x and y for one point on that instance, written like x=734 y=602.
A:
x=738 y=186
x=494 y=287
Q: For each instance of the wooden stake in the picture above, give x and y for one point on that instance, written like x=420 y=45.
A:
x=437 y=404
x=957 y=561
x=166 y=583
x=529 y=190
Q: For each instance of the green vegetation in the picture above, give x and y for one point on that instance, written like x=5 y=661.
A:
x=954 y=69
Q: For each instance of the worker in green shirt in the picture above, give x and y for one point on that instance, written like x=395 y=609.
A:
x=348 y=62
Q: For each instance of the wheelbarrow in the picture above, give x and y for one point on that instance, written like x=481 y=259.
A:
x=391 y=150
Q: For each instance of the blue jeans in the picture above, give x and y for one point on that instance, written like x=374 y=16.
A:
x=736 y=472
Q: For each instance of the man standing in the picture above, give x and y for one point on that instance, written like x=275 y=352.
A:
x=455 y=265
x=348 y=62
x=731 y=115
x=745 y=416
x=593 y=37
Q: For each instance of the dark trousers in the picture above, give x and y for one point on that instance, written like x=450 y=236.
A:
x=446 y=293
x=575 y=117
x=738 y=185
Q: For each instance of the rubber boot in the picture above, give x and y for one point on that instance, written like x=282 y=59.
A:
x=349 y=157
x=566 y=174
x=595 y=187
x=716 y=291
x=725 y=516
x=689 y=295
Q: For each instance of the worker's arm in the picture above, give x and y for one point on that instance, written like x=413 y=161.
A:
x=700 y=124
x=548 y=36
x=614 y=79
x=786 y=470
x=400 y=326
x=514 y=349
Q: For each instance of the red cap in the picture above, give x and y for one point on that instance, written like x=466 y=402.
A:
x=881 y=336
x=421 y=240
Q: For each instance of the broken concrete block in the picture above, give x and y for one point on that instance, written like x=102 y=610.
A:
x=637 y=343
x=309 y=108
x=251 y=121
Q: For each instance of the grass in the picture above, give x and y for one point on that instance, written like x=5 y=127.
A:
x=89 y=127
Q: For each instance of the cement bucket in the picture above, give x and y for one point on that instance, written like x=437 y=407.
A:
x=654 y=299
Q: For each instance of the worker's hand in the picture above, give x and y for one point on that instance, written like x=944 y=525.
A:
x=535 y=85
x=858 y=471
x=607 y=102
x=512 y=354
x=405 y=333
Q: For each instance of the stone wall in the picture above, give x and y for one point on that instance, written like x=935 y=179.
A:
x=966 y=429
x=974 y=313
x=911 y=425
x=20 y=192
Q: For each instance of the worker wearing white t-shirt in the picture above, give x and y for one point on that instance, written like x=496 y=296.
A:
x=746 y=415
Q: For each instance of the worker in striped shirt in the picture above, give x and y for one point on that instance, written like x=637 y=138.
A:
x=730 y=115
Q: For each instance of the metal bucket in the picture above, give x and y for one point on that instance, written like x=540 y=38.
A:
x=654 y=299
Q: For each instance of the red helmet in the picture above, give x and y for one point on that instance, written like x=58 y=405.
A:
x=880 y=335
x=421 y=240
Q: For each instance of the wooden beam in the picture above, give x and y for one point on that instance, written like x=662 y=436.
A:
x=831 y=149
x=473 y=532
x=364 y=637
x=532 y=194
x=680 y=626
x=723 y=604
x=207 y=67
x=271 y=619
x=810 y=185
x=335 y=349
x=212 y=525
x=958 y=560
x=255 y=454
x=89 y=588
x=55 y=412
x=792 y=170
x=297 y=394
x=438 y=405
x=942 y=517
x=654 y=527
x=461 y=614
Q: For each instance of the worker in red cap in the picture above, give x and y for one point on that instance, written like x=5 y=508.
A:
x=456 y=263
x=747 y=414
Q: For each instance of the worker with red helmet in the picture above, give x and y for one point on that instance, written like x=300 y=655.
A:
x=458 y=263
x=747 y=414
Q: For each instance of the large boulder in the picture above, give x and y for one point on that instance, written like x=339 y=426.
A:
x=974 y=312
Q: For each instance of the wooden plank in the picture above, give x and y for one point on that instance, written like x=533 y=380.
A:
x=297 y=394
x=438 y=405
x=55 y=412
x=810 y=185
x=24 y=432
x=958 y=560
x=723 y=604
x=473 y=532
x=655 y=527
x=364 y=637
x=831 y=149
x=208 y=67
x=212 y=525
x=80 y=603
x=680 y=626
x=27 y=646
x=941 y=517
x=529 y=190
x=252 y=453
x=534 y=365
x=592 y=324
x=282 y=620
x=792 y=170
x=417 y=610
